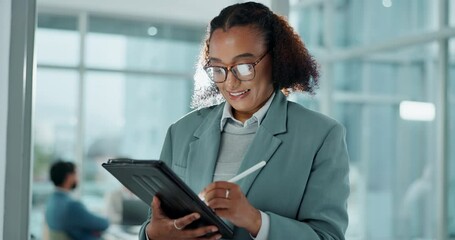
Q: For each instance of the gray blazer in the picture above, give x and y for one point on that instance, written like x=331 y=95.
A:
x=304 y=186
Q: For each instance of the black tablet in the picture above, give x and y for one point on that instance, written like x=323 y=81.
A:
x=146 y=178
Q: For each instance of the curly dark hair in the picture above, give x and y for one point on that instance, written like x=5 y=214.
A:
x=293 y=68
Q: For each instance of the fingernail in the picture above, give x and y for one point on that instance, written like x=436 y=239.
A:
x=197 y=216
x=201 y=196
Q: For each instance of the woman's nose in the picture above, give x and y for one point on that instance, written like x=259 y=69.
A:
x=231 y=81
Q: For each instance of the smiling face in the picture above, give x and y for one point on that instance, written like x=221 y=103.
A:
x=242 y=44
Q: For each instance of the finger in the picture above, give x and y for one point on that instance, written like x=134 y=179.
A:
x=156 y=207
x=214 y=237
x=211 y=187
x=186 y=220
x=218 y=184
x=219 y=203
x=216 y=193
x=223 y=212
x=200 y=233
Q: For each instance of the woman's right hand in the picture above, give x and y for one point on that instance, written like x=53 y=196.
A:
x=162 y=227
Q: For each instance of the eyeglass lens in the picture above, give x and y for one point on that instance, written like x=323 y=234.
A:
x=243 y=72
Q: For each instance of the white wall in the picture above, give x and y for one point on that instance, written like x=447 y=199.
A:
x=5 y=18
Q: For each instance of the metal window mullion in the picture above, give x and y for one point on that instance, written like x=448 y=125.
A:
x=442 y=123
x=365 y=150
x=348 y=97
x=120 y=71
x=80 y=130
x=327 y=85
x=389 y=45
x=430 y=152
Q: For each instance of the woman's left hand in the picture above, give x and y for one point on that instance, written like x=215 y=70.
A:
x=229 y=202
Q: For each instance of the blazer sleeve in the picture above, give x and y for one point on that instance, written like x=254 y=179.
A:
x=166 y=151
x=323 y=209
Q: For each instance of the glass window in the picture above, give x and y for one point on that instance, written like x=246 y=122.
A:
x=127 y=116
x=135 y=84
x=54 y=130
x=306 y=100
x=133 y=45
x=309 y=22
x=451 y=12
x=392 y=158
x=57 y=41
x=340 y=72
x=391 y=175
x=56 y=110
x=357 y=22
x=400 y=73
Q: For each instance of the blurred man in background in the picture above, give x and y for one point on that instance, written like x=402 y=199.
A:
x=65 y=215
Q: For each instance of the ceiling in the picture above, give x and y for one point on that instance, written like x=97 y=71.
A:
x=184 y=11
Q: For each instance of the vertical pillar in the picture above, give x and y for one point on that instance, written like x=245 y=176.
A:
x=18 y=110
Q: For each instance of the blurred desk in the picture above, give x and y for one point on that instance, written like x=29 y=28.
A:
x=121 y=232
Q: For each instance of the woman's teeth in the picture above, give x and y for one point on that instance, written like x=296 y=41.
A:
x=238 y=93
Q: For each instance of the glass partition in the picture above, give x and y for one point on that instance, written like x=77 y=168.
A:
x=54 y=131
x=392 y=156
x=356 y=23
x=385 y=93
x=451 y=12
x=55 y=105
x=142 y=45
x=57 y=41
x=126 y=116
x=134 y=82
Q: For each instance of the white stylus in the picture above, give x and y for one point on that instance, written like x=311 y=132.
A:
x=243 y=174
x=248 y=171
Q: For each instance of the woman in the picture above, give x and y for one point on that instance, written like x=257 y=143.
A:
x=301 y=193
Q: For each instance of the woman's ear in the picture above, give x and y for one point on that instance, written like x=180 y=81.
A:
x=286 y=91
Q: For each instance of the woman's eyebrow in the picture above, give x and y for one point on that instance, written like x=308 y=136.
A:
x=238 y=57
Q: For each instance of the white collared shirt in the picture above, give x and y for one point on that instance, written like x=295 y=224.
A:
x=256 y=118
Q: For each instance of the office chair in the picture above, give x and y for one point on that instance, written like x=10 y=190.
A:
x=49 y=234
x=57 y=235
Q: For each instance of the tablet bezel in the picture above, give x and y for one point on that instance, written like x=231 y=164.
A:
x=144 y=177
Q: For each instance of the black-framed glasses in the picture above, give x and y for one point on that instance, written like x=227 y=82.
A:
x=241 y=71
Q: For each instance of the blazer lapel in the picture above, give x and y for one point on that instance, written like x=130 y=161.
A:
x=265 y=143
x=203 y=151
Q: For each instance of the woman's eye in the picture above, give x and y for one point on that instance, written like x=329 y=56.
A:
x=217 y=70
x=244 y=69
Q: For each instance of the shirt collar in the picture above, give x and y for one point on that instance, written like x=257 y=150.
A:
x=62 y=190
x=256 y=118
